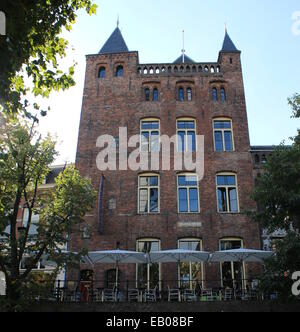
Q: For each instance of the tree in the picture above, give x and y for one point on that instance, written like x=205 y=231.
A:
x=32 y=47
x=278 y=192
x=24 y=163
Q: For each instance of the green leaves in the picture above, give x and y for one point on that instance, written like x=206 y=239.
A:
x=25 y=159
x=33 y=47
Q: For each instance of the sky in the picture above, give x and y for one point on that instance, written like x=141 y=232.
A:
x=266 y=31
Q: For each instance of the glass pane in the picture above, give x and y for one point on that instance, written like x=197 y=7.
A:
x=238 y=275
x=142 y=275
x=227 y=275
x=194 y=202
x=226 y=180
x=222 y=200
x=147 y=94
x=219 y=141
x=155 y=95
x=189 y=94
x=187 y=180
x=222 y=124
x=181 y=94
x=223 y=95
x=214 y=94
x=153 y=181
x=228 y=141
x=233 y=200
x=148 y=125
x=231 y=245
x=154 y=276
x=154 y=200
x=181 y=141
x=186 y=125
x=144 y=181
x=145 y=141
x=155 y=141
x=143 y=201
x=183 y=200
x=102 y=73
x=191 y=141
x=190 y=245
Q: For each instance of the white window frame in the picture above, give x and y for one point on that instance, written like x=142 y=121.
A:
x=227 y=187
x=186 y=141
x=140 y=187
x=188 y=193
x=223 y=134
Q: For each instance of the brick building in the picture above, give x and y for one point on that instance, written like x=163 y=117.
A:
x=163 y=210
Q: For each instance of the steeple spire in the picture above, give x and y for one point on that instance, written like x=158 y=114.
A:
x=228 y=45
x=183 y=50
x=115 y=43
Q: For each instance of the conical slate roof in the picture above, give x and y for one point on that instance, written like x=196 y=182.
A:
x=228 y=45
x=186 y=60
x=115 y=44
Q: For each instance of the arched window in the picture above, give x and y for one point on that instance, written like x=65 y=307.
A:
x=223 y=135
x=147 y=94
x=223 y=94
x=102 y=72
x=194 y=69
x=155 y=94
x=148 y=199
x=228 y=201
x=186 y=135
x=232 y=273
x=175 y=69
x=214 y=94
x=120 y=71
x=148 y=275
x=188 y=69
x=181 y=94
x=190 y=274
x=150 y=135
x=189 y=94
x=188 y=193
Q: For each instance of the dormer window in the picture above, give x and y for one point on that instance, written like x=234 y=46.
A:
x=102 y=72
x=120 y=71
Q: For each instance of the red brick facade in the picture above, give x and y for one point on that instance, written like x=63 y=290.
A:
x=113 y=102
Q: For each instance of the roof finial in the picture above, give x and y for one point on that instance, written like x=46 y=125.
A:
x=118 y=21
x=183 y=50
x=225 y=27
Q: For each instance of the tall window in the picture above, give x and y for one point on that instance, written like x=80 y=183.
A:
x=120 y=71
x=148 y=275
x=150 y=135
x=223 y=95
x=189 y=93
x=190 y=274
x=232 y=273
x=181 y=94
x=188 y=193
x=186 y=134
x=227 y=193
x=223 y=135
x=102 y=72
x=147 y=94
x=148 y=194
x=155 y=94
x=215 y=94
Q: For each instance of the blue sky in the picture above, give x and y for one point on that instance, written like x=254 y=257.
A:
x=261 y=29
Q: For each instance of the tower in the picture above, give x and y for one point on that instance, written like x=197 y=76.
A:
x=168 y=209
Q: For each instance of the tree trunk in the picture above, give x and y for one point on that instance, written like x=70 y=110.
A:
x=13 y=293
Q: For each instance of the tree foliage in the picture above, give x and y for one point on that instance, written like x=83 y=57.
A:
x=32 y=47
x=278 y=192
x=25 y=158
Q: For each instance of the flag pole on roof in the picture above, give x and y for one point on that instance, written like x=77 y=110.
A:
x=183 y=50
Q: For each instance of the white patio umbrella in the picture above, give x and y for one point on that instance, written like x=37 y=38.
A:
x=178 y=255
x=241 y=255
x=116 y=257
